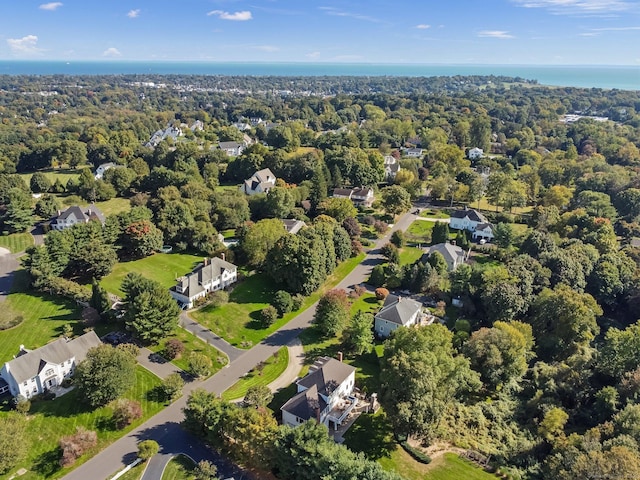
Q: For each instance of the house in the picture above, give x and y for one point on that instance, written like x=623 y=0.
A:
x=293 y=226
x=75 y=214
x=213 y=274
x=359 y=196
x=453 y=254
x=34 y=371
x=324 y=394
x=396 y=312
x=232 y=149
x=472 y=221
x=391 y=167
x=414 y=152
x=260 y=182
x=475 y=153
x=169 y=132
x=103 y=168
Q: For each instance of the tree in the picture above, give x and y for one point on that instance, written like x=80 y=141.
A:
x=552 y=425
x=206 y=470
x=105 y=374
x=151 y=312
x=39 y=183
x=13 y=441
x=440 y=233
x=47 y=206
x=358 y=336
x=282 y=301
x=438 y=263
x=420 y=377
x=258 y=396
x=332 y=312
x=125 y=411
x=268 y=316
x=278 y=203
x=92 y=259
x=395 y=200
x=141 y=239
x=200 y=365
x=260 y=238
x=99 y=297
x=596 y=203
x=480 y=132
x=621 y=351
x=503 y=235
x=398 y=238
x=352 y=227
x=339 y=208
x=172 y=386
x=557 y=196
x=173 y=348
x=17 y=215
x=74 y=446
x=147 y=449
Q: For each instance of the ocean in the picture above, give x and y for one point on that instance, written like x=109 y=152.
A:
x=606 y=77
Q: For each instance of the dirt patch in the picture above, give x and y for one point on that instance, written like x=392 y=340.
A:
x=436 y=449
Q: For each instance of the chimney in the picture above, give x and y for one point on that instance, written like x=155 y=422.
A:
x=59 y=213
x=223 y=256
x=340 y=356
x=317 y=409
x=453 y=242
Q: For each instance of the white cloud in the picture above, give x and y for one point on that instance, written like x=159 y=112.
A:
x=236 y=16
x=24 y=46
x=615 y=29
x=111 y=52
x=423 y=26
x=50 y=6
x=495 y=34
x=340 y=13
x=577 y=7
x=312 y=55
x=134 y=13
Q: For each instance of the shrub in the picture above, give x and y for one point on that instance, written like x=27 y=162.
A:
x=125 y=411
x=22 y=404
x=173 y=348
x=381 y=293
x=416 y=454
x=147 y=449
x=129 y=348
x=172 y=386
x=380 y=226
x=73 y=446
x=378 y=276
x=369 y=220
x=200 y=365
x=356 y=247
x=268 y=315
x=397 y=238
x=296 y=301
x=282 y=302
x=219 y=298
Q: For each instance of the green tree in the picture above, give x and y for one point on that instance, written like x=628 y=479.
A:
x=151 y=312
x=338 y=208
x=440 y=233
x=99 y=297
x=503 y=235
x=206 y=470
x=172 y=386
x=105 y=374
x=358 y=336
x=438 y=263
x=147 y=449
x=13 y=441
x=278 y=203
x=420 y=378
x=395 y=200
x=480 y=132
x=398 y=238
x=39 y=183
x=552 y=425
x=268 y=316
x=258 y=396
x=200 y=365
x=283 y=302
x=260 y=238
x=332 y=312
x=596 y=203
x=17 y=216
x=47 y=206
x=620 y=352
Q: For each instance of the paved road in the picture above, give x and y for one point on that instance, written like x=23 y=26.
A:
x=208 y=336
x=161 y=426
x=157 y=365
x=8 y=265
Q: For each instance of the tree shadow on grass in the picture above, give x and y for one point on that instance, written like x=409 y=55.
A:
x=371 y=434
x=47 y=463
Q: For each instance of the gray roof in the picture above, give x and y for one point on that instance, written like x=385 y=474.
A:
x=451 y=253
x=29 y=364
x=292 y=225
x=90 y=212
x=398 y=310
x=328 y=376
x=305 y=405
x=203 y=274
x=229 y=145
x=343 y=192
x=482 y=226
x=474 y=215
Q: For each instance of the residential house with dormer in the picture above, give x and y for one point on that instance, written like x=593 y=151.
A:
x=396 y=312
x=472 y=221
x=74 y=215
x=260 y=182
x=213 y=274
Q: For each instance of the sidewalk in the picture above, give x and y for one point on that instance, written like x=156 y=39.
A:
x=291 y=373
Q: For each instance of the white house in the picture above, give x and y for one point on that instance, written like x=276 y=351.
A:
x=34 y=371
x=414 y=152
x=472 y=221
x=75 y=214
x=232 y=149
x=359 y=196
x=391 y=167
x=453 y=254
x=475 y=153
x=103 y=168
x=324 y=394
x=213 y=274
x=293 y=226
x=396 y=312
x=260 y=182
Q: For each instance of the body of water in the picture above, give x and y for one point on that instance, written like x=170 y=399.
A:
x=619 y=77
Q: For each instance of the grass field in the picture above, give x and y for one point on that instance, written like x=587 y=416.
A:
x=162 y=267
x=420 y=231
x=483 y=204
x=43 y=317
x=53 y=174
x=50 y=420
x=366 y=302
x=113 y=206
x=434 y=213
x=273 y=368
x=238 y=321
x=179 y=468
x=451 y=467
x=192 y=344
x=16 y=242
x=410 y=255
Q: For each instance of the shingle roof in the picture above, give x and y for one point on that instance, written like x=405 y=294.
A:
x=451 y=253
x=91 y=212
x=328 y=377
x=292 y=225
x=471 y=213
x=398 y=310
x=30 y=364
x=305 y=405
x=192 y=284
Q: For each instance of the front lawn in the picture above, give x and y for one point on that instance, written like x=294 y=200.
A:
x=50 y=420
x=53 y=174
x=434 y=213
x=367 y=302
x=238 y=321
x=161 y=267
x=16 y=242
x=274 y=366
x=420 y=231
x=179 y=468
x=114 y=206
x=43 y=317
x=451 y=467
x=410 y=255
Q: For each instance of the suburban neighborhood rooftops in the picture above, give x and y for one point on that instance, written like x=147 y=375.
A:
x=91 y=212
x=398 y=310
x=328 y=376
x=473 y=215
x=449 y=251
x=305 y=405
x=29 y=364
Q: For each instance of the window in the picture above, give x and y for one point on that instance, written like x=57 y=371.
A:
x=25 y=383
x=49 y=372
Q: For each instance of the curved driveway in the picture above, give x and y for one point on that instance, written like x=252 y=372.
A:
x=164 y=426
x=9 y=263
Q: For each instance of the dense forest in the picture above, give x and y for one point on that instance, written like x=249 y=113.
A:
x=542 y=369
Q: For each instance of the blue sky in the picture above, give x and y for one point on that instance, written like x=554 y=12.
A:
x=543 y=32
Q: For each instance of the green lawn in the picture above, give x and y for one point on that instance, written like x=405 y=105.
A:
x=273 y=368
x=53 y=174
x=43 y=317
x=50 y=420
x=420 y=231
x=162 y=267
x=16 y=242
x=451 y=467
x=366 y=302
x=192 y=344
x=410 y=255
x=179 y=468
x=434 y=213
x=238 y=321
x=114 y=206
x=483 y=204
